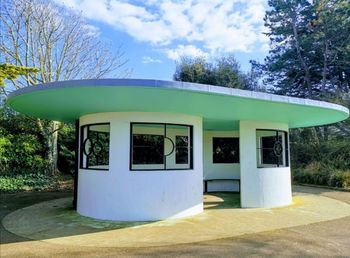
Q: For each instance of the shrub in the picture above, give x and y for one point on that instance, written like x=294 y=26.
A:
x=340 y=179
x=321 y=174
x=29 y=182
x=334 y=153
x=21 y=154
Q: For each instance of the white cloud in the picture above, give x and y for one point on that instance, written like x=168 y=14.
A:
x=182 y=50
x=92 y=30
x=148 y=60
x=217 y=25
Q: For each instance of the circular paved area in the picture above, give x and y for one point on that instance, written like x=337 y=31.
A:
x=55 y=222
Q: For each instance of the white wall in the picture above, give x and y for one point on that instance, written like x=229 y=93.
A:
x=124 y=195
x=261 y=187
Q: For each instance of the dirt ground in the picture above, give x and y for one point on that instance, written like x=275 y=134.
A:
x=324 y=239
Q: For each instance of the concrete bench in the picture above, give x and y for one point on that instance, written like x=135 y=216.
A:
x=221 y=179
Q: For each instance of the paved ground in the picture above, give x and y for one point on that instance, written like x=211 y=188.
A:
x=325 y=239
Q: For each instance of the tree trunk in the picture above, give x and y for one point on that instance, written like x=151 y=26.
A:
x=325 y=66
x=318 y=134
x=50 y=134
x=301 y=59
x=326 y=133
x=54 y=147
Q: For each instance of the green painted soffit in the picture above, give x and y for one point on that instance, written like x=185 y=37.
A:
x=219 y=111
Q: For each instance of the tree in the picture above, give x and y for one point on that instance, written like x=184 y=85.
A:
x=310 y=53
x=11 y=72
x=22 y=149
x=196 y=70
x=224 y=71
x=39 y=33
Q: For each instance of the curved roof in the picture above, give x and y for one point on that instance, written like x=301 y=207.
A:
x=220 y=107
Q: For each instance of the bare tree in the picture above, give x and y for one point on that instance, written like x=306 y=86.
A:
x=57 y=41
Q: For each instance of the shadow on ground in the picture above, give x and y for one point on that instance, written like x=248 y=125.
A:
x=221 y=200
x=68 y=222
x=11 y=202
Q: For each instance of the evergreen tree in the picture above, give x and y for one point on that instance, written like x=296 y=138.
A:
x=310 y=54
x=223 y=71
x=310 y=48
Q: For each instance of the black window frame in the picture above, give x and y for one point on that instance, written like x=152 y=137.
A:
x=82 y=147
x=164 y=156
x=285 y=149
x=225 y=137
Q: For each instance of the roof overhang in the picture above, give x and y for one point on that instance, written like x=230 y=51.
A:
x=220 y=107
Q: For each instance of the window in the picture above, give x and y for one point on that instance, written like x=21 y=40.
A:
x=272 y=148
x=94 y=146
x=157 y=146
x=225 y=150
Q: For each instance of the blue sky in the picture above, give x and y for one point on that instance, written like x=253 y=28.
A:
x=155 y=34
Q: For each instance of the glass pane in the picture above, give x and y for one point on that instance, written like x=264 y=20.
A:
x=148 y=149
x=225 y=150
x=182 y=145
x=87 y=147
x=179 y=137
x=100 y=128
x=95 y=152
x=147 y=146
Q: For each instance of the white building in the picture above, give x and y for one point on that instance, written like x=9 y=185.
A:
x=149 y=149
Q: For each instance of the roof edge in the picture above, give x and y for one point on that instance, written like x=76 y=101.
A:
x=203 y=88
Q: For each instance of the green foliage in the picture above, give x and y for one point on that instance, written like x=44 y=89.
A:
x=320 y=174
x=224 y=71
x=27 y=182
x=327 y=163
x=11 y=72
x=310 y=55
x=335 y=154
x=21 y=148
x=66 y=149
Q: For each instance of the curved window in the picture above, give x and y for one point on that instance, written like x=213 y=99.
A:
x=158 y=146
x=272 y=148
x=94 y=146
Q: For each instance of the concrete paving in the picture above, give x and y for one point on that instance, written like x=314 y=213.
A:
x=55 y=222
x=323 y=239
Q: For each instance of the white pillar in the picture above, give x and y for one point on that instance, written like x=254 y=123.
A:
x=261 y=187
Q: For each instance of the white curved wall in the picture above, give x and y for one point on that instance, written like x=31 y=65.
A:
x=124 y=195
x=261 y=187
